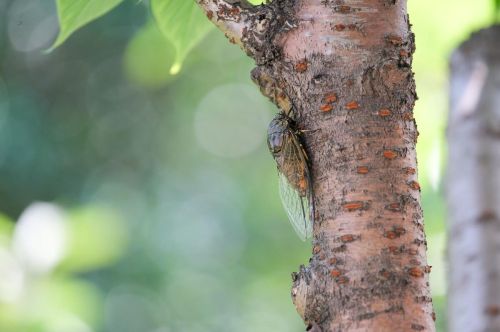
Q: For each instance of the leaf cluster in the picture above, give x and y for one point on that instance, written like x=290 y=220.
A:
x=180 y=21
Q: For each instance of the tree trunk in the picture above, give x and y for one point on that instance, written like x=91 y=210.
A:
x=473 y=183
x=344 y=67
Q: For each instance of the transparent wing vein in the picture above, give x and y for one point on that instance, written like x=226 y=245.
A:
x=296 y=207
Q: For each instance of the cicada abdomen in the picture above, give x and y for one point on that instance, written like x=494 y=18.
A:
x=294 y=176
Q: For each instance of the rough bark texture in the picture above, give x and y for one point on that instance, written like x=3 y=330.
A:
x=344 y=67
x=473 y=183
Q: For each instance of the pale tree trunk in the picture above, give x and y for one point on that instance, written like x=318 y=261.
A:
x=473 y=185
x=345 y=68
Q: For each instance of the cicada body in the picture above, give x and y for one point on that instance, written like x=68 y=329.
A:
x=295 y=185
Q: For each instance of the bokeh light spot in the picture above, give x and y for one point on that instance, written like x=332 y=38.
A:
x=148 y=58
x=231 y=120
x=31 y=25
x=12 y=280
x=39 y=240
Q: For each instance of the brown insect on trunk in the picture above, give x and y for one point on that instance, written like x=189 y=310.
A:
x=473 y=182
x=345 y=69
x=285 y=144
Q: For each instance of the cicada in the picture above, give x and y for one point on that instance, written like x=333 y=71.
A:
x=284 y=141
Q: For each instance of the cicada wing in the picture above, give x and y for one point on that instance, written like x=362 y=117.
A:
x=297 y=208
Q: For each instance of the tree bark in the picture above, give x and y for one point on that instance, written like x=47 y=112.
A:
x=344 y=67
x=473 y=183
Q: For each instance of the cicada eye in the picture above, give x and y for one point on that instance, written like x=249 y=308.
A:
x=275 y=142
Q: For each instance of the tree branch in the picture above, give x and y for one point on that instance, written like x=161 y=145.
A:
x=232 y=17
x=251 y=27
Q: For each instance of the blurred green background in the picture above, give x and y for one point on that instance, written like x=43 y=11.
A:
x=161 y=210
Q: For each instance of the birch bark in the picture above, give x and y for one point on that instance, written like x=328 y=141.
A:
x=473 y=182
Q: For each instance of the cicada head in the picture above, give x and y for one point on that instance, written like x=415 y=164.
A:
x=276 y=133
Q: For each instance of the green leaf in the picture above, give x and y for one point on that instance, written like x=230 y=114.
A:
x=62 y=296
x=183 y=23
x=6 y=229
x=73 y=14
x=97 y=239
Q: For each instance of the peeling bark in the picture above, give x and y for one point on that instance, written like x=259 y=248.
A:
x=473 y=183
x=344 y=68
